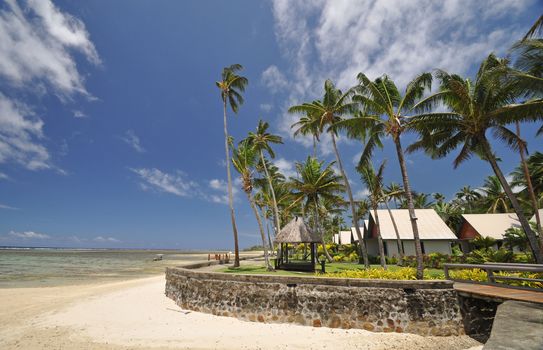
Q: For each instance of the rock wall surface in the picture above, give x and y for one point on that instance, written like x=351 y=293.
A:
x=420 y=307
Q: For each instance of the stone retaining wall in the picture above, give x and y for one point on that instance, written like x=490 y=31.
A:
x=420 y=307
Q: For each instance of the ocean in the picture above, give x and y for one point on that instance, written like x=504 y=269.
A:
x=44 y=267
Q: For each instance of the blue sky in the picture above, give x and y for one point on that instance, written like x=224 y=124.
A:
x=111 y=124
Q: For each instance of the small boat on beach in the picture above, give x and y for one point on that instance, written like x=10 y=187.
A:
x=158 y=257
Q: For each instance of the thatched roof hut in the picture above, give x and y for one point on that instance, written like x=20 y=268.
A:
x=297 y=232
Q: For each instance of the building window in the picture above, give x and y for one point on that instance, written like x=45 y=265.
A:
x=422 y=247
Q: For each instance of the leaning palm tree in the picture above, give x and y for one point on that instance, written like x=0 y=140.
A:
x=244 y=160
x=231 y=86
x=335 y=105
x=384 y=112
x=260 y=141
x=374 y=184
x=474 y=108
x=314 y=185
x=523 y=151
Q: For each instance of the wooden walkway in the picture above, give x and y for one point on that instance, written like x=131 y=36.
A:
x=500 y=292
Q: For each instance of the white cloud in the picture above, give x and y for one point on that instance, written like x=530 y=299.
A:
x=79 y=114
x=286 y=167
x=105 y=239
x=37 y=42
x=36 y=45
x=176 y=183
x=131 y=139
x=273 y=79
x=266 y=107
x=28 y=235
x=338 y=39
x=20 y=135
x=219 y=193
x=3 y=176
x=8 y=207
x=361 y=194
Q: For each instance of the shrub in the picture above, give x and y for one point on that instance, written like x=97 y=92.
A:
x=480 y=256
x=353 y=257
x=469 y=274
x=393 y=260
x=403 y=273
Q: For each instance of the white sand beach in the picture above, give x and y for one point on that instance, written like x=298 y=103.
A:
x=135 y=314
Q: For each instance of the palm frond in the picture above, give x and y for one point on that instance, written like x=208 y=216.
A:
x=415 y=90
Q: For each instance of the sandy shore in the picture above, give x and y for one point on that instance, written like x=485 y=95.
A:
x=136 y=315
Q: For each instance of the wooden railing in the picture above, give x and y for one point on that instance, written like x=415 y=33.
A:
x=492 y=278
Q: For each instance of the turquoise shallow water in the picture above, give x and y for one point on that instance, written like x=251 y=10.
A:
x=53 y=267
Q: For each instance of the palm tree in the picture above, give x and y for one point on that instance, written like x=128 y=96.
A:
x=535 y=169
x=374 y=183
x=260 y=141
x=384 y=113
x=422 y=200
x=262 y=204
x=244 y=160
x=335 y=105
x=308 y=125
x=395 y=192
x=494 y=198
x=474 y=108
x=450 y=213
x=315 y=185
x=469 y=195
x=438 y=197
x=231 y=86
x=529 y=186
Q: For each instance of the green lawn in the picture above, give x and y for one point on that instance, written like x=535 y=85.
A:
x=330 y=268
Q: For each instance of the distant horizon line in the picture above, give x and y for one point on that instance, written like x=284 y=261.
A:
x=9 y=247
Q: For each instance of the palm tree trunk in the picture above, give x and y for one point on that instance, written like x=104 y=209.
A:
x=328 y=257
x=261 y=229
x=530 y=187
x=275 y=208
x=361 y=244
x=230 y=196
x=314 y=147
x=396 y=231
x=534 y=244
x=410 y=206
x=267 y=224
x=379 y=238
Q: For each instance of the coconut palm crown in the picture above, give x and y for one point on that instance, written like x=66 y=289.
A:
x=261 y=141
x=474 y=108
x=327 y=112
x=383 y=113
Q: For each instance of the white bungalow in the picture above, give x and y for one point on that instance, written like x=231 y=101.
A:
x=540 y=215
x=435 y=235
x=486 y=225
x=344 y=237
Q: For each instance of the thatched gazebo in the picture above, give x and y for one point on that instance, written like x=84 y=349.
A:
x=296 y=232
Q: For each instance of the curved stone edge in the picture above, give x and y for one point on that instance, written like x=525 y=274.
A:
x=419 y=307
x=187 y=270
